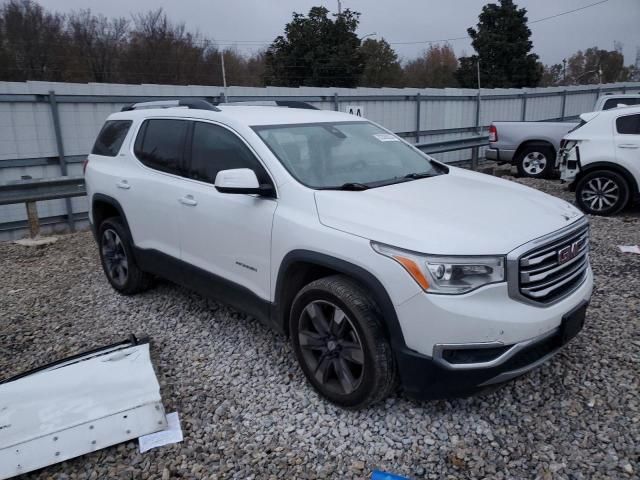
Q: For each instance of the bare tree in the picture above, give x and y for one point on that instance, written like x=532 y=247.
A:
x=98 y=43
x=434 y=68
x=35 y=43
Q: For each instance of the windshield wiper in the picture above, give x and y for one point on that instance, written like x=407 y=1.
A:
x=350 y=186
x=415 y=176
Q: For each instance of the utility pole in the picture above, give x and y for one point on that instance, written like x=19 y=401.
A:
x=224 y=75
x=564 y=71
x=339 y=7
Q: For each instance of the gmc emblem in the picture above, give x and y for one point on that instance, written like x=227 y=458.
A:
x=569 y=252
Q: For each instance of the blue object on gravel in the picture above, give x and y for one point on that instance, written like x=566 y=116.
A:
x=378 y=475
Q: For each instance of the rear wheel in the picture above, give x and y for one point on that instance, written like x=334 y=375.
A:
x=338 y=339
x=602 y=192
x=118 y=262
x=536 y=161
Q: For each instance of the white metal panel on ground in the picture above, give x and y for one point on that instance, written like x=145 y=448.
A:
x=78 y=406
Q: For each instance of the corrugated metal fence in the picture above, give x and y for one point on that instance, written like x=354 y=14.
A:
x=46 y=129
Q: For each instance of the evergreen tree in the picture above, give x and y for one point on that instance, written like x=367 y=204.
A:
x=316 y=51
x=503 y=46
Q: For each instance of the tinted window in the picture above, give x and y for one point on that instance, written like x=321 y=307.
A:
x=614 y=102
x=160 y=144
x=111 y=137
x=215 y=148
x=629 y=124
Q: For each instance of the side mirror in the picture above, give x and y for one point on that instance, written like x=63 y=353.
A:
x=241 y=180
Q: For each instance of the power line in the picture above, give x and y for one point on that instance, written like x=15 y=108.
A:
x=532 y=21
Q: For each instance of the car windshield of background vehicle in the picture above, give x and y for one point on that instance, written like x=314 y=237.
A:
x=345 y=155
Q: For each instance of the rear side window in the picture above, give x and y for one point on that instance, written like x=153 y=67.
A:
x=160 y=145
x=629 y=124
x=111 y=137
x=614 y=102
x=215 y=148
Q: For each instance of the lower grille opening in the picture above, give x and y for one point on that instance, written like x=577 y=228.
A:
x=535 y=352
x=473 y=355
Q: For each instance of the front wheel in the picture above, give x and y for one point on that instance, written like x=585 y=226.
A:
x=602 y=192
x=338 y=339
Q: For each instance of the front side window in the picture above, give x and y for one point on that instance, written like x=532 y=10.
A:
x=345 y=155
x=215 y=148
x=111 y=137
x=160 y=144
x=629 y=124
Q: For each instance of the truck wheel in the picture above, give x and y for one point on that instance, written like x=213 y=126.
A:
x=338 y=338
x=602 y=192
x=118 y=262
x=536 y=161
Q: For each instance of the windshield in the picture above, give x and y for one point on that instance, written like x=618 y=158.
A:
x=345 y=155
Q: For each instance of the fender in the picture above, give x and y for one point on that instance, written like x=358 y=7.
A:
x=628 y=176
x=367 y=279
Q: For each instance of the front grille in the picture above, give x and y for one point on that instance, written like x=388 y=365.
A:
x=554 y=270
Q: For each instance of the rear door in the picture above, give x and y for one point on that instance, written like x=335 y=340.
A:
x=229 y=235
x=150 y=193
x=627 y=143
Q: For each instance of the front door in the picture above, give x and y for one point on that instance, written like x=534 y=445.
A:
x=228 y=235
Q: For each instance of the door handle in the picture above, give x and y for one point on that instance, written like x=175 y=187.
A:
x=188 y=200
x=123 y=184
x=628 y=145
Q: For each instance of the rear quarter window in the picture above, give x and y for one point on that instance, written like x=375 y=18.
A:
x=628 y=124
x=111 y=137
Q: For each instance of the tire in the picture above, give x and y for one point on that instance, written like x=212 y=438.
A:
x=118 y=261
x=341 y=346
x=536 y=161
x=602 y=192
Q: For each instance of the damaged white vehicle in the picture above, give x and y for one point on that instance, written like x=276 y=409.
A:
x=78 y=405
x=600 y=159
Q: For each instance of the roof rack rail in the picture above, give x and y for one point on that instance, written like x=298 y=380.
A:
x=194 y=103
x=273 y=103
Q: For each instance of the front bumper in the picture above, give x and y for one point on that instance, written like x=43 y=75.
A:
x=427 y=378
x=516 y=337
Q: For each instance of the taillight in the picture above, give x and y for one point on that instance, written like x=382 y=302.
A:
x=85 y=162
x=493 y=133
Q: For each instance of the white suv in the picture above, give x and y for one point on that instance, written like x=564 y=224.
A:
x=382 y=265
x=600 y=159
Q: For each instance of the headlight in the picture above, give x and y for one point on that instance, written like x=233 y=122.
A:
x=443 y=274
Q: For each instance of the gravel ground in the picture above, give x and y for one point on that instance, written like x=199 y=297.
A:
x=247 y=411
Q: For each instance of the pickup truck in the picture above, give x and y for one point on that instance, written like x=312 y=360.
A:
x=532 y=146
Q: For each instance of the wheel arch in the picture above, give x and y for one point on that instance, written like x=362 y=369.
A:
x=614 y=167
x=103 y=207
x=300 y=267
x=534 y=143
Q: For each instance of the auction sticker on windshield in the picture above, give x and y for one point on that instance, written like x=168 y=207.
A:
x=386 y=137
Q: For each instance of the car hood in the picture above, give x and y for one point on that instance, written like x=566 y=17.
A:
x=460 y=213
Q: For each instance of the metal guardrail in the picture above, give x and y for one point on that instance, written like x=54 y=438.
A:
x=474 y=143
x=30 y=191
x=23 y=191
x=452 y=145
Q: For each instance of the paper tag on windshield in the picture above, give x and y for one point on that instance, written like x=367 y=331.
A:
x=386 y=137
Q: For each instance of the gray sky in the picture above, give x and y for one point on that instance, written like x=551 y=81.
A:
x=249 y=24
